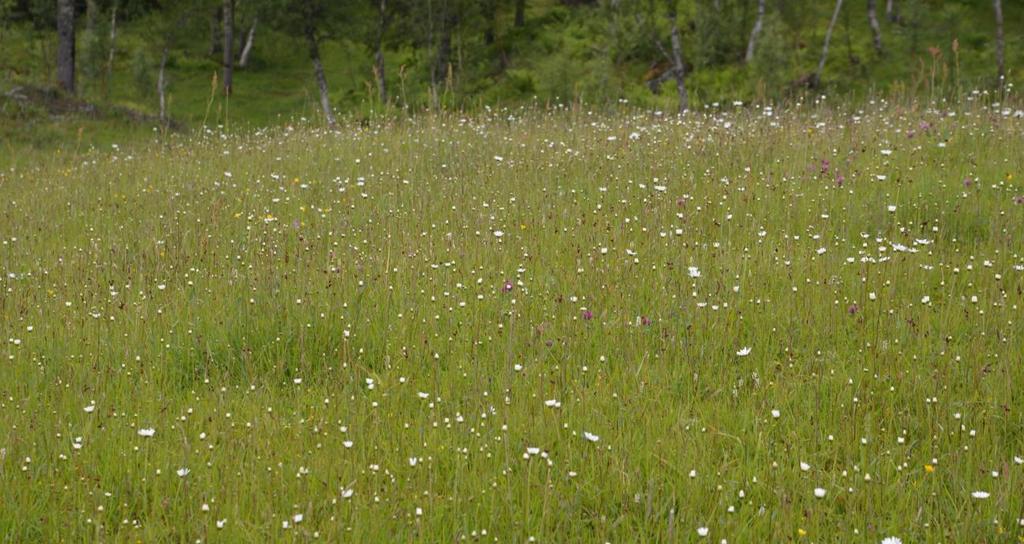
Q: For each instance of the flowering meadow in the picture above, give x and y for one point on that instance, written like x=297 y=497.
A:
x=742 y=325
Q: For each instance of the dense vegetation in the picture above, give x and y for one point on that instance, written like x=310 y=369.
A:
x=470 y=54
x=749 y=325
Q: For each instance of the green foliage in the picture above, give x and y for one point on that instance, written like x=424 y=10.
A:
x=41 y=13
x=94 y=47
x=717 y=37
x=522 y=82
x=6 y=9
x=772 y=63
x=599 y=52
x=142 y=72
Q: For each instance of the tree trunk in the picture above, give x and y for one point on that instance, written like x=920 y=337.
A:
x=520 y=13
x=430 y=40
x=490 y=14
x=444 y=49
x=243 y=59
x=318 y=73
x=229 y=47
x=758 y=24
x=378 y=57
x=890 y=11
x=66 y=45
x=161 y=86
x=1000 y=43
x=678 y=66
x=113 y=37
x=876 y=29
x=816 y=78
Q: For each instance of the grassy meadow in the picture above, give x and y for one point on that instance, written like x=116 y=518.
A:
x=744 y=325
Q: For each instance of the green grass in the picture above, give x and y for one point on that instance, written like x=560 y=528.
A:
x=239 y=293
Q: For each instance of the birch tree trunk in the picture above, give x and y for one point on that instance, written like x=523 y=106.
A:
x=758 y=24
x=378 y=57
x=66 y=45
x=816 y=78
x=318 y=73
x=890 y=11
x=229 y=47
x=876 y=29
x=678 y=65
x=161 y=86
x=243 y=59
x=113 y=37
x=1000 y=43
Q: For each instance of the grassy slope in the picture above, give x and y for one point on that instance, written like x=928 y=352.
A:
x=238 y=295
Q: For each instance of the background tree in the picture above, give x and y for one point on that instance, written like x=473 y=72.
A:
x=250 y=37
x=380 y=74
x=172 y=31
x=773 y=58
x=228 y=51
x=489 y=9
x=96 y=45
x=313 y=21
x=446 y=17
x=6 y=9
x=876 y=29
x=66 y=45
x=434 y=28
x=678 y=65
x=111 y=45
x=816 y=78
x=1000 y=43
x=755 y=32
x=312 y=13
x=467 y=53
x=649 y=17
x=716 y=35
